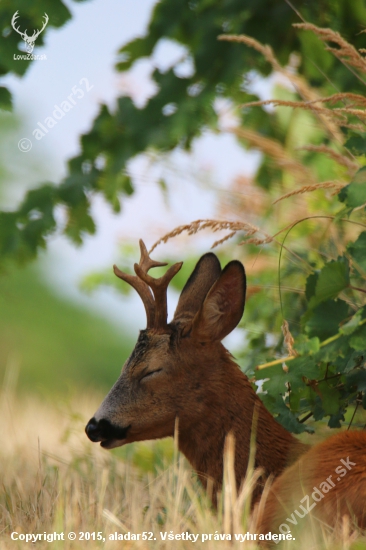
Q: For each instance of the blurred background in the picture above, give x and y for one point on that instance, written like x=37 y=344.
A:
x=53 y=334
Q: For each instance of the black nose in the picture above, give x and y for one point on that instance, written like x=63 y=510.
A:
x=103 y=430
x=93 y=431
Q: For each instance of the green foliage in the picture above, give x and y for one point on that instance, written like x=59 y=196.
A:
x=357 y=251
x=29 y=17
x=332 y=279
x=323 y=321
x=354 y=194
x=218 y=71
x=356 y=143
x=329 y=372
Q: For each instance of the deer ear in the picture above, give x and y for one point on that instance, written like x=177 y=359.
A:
x=204 y=275
x=223 y=306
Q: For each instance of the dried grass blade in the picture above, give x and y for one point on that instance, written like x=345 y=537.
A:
x=309 y=188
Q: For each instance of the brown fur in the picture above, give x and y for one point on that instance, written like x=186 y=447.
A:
x=317 y=469
x=182 y=371
x=227 y=405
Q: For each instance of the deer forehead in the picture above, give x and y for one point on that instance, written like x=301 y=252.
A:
x=150 y=346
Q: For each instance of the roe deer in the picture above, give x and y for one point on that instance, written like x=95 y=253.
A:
x=182 y=370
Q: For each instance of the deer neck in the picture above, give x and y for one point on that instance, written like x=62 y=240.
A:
x=230 y=409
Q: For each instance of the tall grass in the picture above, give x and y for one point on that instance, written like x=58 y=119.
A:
x=54 y=480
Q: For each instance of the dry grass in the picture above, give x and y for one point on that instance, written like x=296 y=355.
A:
x=196 y=226
x=344 y=51
x=52 y=483
x=304 y=90
x=338 y=157
x=276 y=152
x=334 y=112
x=334 y=185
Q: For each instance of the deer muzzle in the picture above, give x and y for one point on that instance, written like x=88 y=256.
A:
x=106 y=433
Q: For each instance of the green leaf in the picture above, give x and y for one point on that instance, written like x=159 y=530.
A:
x=283 y=414
x=279 y=378
x=334 y=350
x=324 y=320
x=352 y=324
x=41 y=200
x=356 y=144
x=356 y=380
x=140 y=47
x=357 y=250
x=302 y=366
x=318 y=411
x=335 y=420
x=358 y=339
x=354 y=194
x=269 y=372
x=355 y=360
x=330 y=398
x=332 y=279
x=113 y=185
x=305 y=346
x=311 y=282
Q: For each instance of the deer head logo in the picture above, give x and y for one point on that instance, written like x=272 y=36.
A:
x=29 y=40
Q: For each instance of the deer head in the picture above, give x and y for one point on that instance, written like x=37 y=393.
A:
x=29 y=40
x=176 y=368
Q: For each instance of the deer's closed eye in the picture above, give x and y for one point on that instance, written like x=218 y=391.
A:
x=150 y=374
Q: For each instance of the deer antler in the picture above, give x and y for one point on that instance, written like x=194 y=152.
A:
x=156 y=302
x=159 y=289
x=37 y=33
x=14 y=18
x=29 y=40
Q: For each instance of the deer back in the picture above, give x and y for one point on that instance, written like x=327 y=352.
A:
x=326 y=483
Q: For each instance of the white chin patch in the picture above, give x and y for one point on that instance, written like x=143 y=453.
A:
x=112 y=443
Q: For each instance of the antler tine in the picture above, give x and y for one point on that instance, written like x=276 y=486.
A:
x=146 y=262
x=143 y=290
x=15 y=17
x=141 y=287
x=46 y=19
x=159 y=288
x=13 y=21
